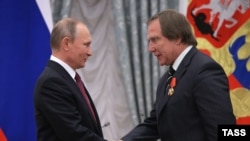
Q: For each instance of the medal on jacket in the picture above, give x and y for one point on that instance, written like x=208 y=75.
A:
x=172 y=85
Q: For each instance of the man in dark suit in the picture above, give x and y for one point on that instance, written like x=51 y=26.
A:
x=194 y=98
x=64 y=111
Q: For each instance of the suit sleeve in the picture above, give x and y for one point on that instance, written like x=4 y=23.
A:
x=146 y=131
x=212 y=99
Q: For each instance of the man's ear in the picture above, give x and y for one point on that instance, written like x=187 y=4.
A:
x=65 y=43
x=178 y=41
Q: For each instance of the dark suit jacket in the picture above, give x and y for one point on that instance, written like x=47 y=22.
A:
x=61 y=113
x=200 y=102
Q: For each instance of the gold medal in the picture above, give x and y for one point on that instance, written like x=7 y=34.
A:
x=171 y=91
x=172 y=85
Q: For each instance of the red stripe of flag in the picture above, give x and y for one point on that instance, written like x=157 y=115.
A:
x=2 y=136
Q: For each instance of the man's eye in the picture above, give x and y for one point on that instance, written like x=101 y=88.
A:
x=154 y=39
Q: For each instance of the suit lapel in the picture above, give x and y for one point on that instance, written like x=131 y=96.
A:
x=98 y=124
x=164 y=98
x=76 y=90
x=162 y=93
x=64 y=74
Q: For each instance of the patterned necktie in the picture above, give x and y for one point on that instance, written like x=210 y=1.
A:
x=83 y=90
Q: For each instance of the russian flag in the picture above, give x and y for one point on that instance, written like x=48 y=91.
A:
x=24 y=51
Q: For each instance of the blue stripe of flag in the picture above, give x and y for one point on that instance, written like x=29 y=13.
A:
x=24 y=51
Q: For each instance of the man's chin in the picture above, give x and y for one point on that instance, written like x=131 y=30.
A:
x=161 y=64
x=82 y=66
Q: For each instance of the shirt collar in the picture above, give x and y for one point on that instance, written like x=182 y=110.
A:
x=179 y=59
x=71 y=71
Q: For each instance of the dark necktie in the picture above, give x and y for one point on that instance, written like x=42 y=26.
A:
x=84 y=93
x=171 y=72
